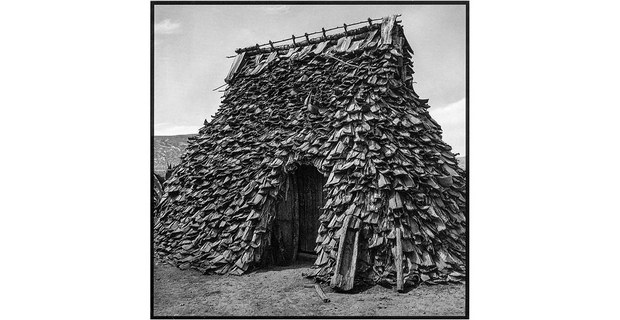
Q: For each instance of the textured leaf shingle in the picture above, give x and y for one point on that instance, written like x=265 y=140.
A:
x=348 y=108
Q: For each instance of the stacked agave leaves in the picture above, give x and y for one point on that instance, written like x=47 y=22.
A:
x=345 y=105
x=158 y=189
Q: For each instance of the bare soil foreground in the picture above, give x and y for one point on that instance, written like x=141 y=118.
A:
x=280 y=291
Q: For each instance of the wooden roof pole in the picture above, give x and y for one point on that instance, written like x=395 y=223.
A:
x=323 y=30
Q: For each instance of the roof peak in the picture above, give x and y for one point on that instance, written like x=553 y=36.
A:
x=306 y=40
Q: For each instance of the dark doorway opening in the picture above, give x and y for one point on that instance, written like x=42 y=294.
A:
x=310 y=190
x=297 y=218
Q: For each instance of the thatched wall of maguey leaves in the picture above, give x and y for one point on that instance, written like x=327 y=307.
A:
x=345 y=105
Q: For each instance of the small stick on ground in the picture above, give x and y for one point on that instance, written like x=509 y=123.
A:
x=321 y=293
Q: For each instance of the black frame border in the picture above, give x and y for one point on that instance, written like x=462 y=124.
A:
x=152 y=135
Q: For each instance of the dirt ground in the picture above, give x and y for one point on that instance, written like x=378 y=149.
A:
x=280 y=291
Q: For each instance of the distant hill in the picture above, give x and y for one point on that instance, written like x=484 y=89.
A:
x=168 y=149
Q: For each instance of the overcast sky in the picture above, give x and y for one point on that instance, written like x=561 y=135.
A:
x=192 y=42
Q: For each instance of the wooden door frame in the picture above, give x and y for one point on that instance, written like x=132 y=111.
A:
x=291 y=189
x=308 y=175
x=295 y=194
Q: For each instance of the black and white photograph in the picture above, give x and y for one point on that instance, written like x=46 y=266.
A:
x=309 y=160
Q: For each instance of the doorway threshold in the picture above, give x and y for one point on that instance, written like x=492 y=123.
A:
x=306 y=256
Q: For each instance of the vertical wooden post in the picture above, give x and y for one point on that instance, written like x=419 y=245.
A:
x=335 y=282
x=398 y=261
x=346 y=261
x=350 y=275
x=398 y=42
x=295 y=213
